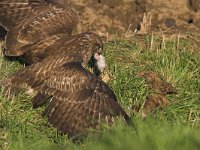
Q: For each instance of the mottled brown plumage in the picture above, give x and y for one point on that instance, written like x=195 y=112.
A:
x=83 y=102
x=33 y=25
x=79 y=99
x=68 y=49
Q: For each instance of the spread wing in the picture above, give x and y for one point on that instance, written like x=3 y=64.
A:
x=40 y=50
x=79 y=100
x=33 y=76
x=59 y=44
x=66 y=49
x=14 y=11
x=29 y=22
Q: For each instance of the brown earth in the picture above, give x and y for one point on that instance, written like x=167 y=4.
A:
x=116 y=17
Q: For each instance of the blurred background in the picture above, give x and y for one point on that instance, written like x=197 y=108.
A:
x=116 y=17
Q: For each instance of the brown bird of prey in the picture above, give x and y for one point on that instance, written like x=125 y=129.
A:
x=34 y=24
x=78 y=99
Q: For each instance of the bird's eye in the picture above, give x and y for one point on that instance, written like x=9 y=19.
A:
x=99 y=50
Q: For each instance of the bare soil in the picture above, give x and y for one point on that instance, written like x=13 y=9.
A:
x=117 y=17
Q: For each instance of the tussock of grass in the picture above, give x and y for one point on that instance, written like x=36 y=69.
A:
x=175 y=127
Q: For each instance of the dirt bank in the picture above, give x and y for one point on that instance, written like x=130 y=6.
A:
x=115 y=17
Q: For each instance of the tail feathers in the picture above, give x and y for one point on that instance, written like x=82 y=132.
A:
x=9 y=89
x=19 y=79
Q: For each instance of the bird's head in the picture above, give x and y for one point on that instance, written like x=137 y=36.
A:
x=94 y=54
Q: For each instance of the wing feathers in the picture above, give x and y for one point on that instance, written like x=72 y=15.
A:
x=50 y=107
x=86 y=106
x=13 y=11
x=79 y=100
x=39 y=99
x=30 y=23
x=75 y=111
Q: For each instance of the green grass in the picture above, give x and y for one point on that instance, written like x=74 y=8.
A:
x=175 y=127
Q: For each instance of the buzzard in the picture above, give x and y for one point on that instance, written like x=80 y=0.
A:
x=79 y=100
x=33 y=25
